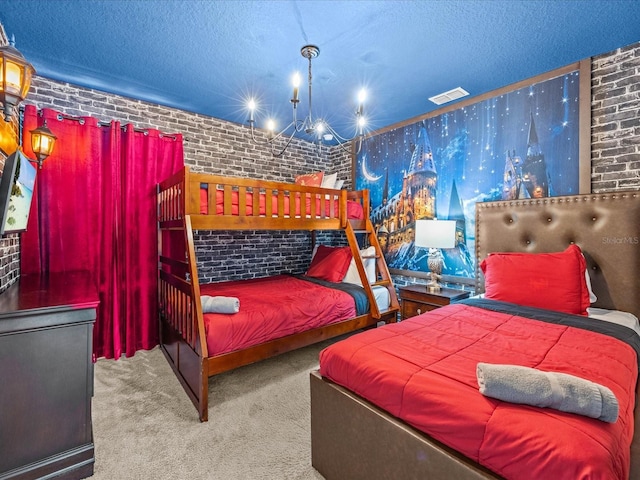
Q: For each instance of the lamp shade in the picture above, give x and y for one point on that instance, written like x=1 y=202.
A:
x=42 y=142
x=15 y=78
x=435 y=233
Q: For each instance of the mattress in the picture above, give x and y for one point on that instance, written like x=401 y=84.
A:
x=381 y=296
x=423 y=371
x=271 y=308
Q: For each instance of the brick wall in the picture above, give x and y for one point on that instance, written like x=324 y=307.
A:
x=212 y=146
x=615 y=120
x=217 y=146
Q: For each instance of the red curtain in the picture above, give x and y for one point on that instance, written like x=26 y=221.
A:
x=95 y=209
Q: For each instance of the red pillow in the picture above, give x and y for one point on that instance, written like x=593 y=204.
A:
x=553 y=281
x=330 y=263
x=310 y=179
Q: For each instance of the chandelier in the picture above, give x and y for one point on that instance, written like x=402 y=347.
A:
x=317 y=128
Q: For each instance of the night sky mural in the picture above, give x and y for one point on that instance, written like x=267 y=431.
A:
x=520 y=144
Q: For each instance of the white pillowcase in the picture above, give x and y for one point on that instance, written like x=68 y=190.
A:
x=352 y=275
x=328 y=181
x=592 y=296
x=338 y=185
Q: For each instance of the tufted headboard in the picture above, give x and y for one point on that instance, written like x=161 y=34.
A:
x=605 y=226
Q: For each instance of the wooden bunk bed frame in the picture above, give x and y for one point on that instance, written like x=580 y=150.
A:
x=182 y=331
x=352 y=438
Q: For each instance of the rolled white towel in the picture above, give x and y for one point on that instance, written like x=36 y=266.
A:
x=561 y=391
x=219 y=304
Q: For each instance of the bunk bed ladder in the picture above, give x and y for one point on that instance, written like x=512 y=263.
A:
x=383 y=277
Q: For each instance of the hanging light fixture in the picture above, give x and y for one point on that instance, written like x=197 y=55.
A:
x=317 y=128
x=15 y=78
x=42 y=142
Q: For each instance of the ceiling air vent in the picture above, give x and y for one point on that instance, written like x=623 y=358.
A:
x=449 y=96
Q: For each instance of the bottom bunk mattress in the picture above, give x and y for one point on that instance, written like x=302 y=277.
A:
x=423 y=371
x=274 y=307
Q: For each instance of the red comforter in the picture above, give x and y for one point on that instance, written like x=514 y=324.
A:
x=271 y=308
x=423 y=370
x=354 y=209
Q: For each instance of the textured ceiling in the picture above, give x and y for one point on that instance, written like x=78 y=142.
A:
x=210 y=56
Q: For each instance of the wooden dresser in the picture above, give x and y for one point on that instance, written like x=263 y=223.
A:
x=46 y=377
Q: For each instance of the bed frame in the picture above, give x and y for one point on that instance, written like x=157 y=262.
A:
x=182 y=332
x=352 y=438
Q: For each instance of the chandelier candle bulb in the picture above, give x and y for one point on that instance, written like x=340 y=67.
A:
x=296 y=85
x=318 y=128
x=362 y=96
x=271 y=128
x=252 y=107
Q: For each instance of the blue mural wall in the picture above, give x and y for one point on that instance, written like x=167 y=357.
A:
x=519 y=144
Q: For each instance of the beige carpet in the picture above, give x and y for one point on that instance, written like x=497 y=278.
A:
x=145 y=427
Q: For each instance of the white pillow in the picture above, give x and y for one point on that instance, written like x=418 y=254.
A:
x=328 y=181
x=592 y=296
x=352 y=275
x=338 y=184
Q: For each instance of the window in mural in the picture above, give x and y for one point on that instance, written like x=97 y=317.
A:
x=519 y=144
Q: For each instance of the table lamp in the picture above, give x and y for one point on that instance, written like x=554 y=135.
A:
x=435 y=235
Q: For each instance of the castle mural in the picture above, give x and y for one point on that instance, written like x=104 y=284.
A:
x=521 y=144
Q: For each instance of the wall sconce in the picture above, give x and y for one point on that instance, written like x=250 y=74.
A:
x=15 y=78
x=435 y=235
x=42 y=142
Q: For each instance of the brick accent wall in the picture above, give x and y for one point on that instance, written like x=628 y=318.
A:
x=213 y=146
x=615 y=120
x=218 y=146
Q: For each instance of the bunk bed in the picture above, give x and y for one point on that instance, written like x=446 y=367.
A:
x=190 y=201
x=428 y=418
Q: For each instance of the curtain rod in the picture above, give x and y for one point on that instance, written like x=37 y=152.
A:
x=80 y=120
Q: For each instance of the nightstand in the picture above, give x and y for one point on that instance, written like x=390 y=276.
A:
x=416 y=299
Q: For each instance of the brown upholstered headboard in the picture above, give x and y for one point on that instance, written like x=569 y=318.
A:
x=605 y=226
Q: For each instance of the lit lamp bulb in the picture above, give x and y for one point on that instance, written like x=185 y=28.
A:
x=362 y=122
x=15 y=78
x=271 y=127
x=251 y=105
x=296 y=86
x=362 y=96
x=42 y=141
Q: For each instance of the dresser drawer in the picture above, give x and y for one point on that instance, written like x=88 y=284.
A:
x=411 y=308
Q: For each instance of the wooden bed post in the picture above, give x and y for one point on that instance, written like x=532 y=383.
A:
x=201 y=346
x=383 y=277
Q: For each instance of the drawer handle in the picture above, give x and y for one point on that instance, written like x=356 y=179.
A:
x=419 y=311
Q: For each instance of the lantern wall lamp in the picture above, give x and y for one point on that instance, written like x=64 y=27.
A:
x=42 y=142
x=15 y=78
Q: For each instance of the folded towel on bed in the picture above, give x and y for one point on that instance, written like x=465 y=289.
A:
x=219 y=304
x=561 y=391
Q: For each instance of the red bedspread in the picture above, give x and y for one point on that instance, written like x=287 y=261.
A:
x=271 y=308
x=354 y=209
x=423 y=370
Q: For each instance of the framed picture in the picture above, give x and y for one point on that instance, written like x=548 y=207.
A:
x=16 y=192
x=528 y=140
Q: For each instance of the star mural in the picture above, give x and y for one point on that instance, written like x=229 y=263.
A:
x=522 y=143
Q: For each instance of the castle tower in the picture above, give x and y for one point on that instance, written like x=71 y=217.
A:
x=422 y=178
x=456 y=212
x=534 y=167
